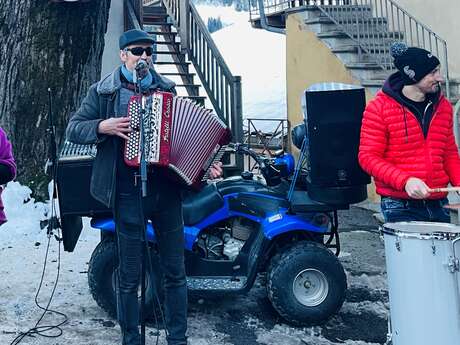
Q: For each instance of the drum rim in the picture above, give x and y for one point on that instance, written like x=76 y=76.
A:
x=438 y=235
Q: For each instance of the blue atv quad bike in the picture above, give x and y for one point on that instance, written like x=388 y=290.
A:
x=235 y=230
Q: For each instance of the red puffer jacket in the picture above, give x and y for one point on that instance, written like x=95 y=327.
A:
x=393 y=147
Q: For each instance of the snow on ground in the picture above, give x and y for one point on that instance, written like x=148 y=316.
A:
x=376 y=282
x=241 y=320
x=23 y=213
x=23 y=247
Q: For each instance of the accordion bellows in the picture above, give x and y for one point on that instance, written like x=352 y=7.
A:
x=179 y=135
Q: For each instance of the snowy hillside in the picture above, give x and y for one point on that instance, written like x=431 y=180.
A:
x=258 y=56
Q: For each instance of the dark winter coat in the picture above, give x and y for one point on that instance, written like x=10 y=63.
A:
x=8 y=167
x=393 y=147
x=98 y=105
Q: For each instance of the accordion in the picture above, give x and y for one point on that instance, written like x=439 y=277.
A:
x=178 y=134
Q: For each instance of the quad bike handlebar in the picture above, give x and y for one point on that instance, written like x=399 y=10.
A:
x=272 y=169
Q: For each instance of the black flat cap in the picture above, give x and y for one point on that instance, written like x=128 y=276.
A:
x=134 y=36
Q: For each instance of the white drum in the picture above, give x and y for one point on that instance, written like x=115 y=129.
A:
x=423 y=282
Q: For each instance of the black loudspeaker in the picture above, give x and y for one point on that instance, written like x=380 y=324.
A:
x=73 y=185
x=333 y=114
x=73 y=182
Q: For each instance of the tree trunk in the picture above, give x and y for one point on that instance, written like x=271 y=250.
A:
x=45 y=45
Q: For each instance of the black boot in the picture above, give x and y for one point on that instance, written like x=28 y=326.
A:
x=128 y=317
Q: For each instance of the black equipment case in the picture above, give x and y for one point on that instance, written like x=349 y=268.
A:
x=74 y=168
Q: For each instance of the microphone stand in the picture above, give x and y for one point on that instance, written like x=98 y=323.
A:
x=142 y=194
x=51 y=168
x=51 y=131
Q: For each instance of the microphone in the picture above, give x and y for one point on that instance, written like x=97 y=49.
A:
x=141 y=70
x=141 y=65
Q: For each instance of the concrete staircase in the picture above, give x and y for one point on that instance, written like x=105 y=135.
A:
x=361 y=66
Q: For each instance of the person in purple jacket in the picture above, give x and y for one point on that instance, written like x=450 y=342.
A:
x=7 y=168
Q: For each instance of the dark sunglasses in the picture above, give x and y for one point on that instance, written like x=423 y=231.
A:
x=138 y=51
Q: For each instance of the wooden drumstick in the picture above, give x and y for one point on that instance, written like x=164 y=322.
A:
x=452 y=206
x=443 y=190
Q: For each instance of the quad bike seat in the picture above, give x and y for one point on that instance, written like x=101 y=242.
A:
x=198 y=206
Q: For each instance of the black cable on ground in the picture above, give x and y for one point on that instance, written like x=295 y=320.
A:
x=37 y=329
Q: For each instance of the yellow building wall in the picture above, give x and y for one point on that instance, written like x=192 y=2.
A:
x=310 y=61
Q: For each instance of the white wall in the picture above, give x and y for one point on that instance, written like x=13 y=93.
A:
x=442 y=17
x=110 y=57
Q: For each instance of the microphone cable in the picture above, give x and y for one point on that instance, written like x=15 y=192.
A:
x=44 y=330
x=155 y=294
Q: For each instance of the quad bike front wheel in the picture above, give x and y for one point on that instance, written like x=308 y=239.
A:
x=102 y=275
x=306 y=283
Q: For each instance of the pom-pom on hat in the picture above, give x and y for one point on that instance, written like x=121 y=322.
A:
x=134 y=36
x=413 y=63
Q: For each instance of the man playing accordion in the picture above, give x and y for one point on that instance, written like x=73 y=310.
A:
x=102 y=119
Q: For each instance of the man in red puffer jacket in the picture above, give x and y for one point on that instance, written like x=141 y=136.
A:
x=407 y=141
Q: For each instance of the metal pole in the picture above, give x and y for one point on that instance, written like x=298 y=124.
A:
x=237 y=118
x=446 y=68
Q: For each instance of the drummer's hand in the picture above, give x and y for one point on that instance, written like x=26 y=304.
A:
x=215 y=170
x=417 y=189
x=118 y=126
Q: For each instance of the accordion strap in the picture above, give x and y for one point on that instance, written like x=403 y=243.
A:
x=106 y=105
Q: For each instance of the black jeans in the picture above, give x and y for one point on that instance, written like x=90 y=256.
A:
x=163 y=207
x=401 y=210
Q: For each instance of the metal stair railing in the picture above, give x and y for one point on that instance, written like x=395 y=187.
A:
x=373 y=25
x=133 y=14
x=457 y=123
x=222 y=87
x=274 y=6
x=149 y=2
x=173 y=9
x=266 y=143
